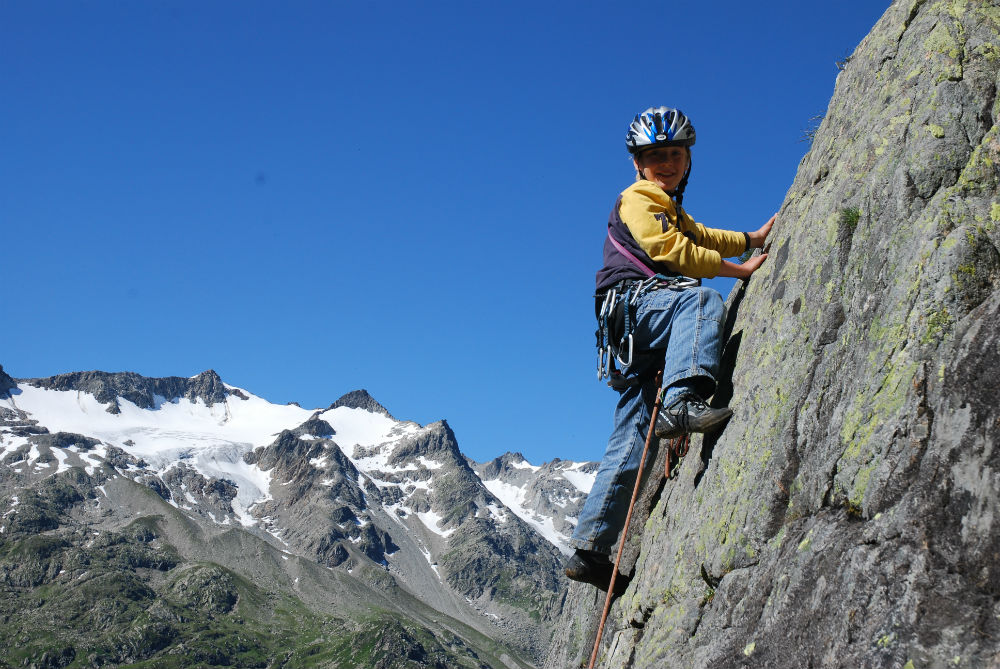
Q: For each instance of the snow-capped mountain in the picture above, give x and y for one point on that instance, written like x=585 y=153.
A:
x=547 y=497
x=348 y=487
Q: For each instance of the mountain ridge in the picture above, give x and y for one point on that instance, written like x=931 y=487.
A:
x=348 y=488
x=142 y=391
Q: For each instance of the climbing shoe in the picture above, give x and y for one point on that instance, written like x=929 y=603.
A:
x=688 y=413
x=594 y=568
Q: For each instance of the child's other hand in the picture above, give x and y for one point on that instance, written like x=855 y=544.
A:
x=752 y=264
x=743 y=271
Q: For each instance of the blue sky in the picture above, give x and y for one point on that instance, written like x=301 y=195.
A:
x=407 y=197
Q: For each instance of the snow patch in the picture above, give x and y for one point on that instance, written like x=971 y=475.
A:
x=524 y=464
x=582 y=481
x=429 y=464
x=498 y=513
x=13 y=445
x=357 y=427
x=432 y=522
x=62 y=457
x=430 y=560
x=513 y=498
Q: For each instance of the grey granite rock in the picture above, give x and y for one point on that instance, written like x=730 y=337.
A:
x=845 y=517
x=360 y=399
x=190 y=489
x=6 y=383
x=142 y=391
x=315 y=427
x=65 y=440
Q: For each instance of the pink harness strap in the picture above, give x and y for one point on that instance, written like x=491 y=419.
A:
x=625 y=252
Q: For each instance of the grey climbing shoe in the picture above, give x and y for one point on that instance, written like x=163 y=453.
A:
x=594 y=568
x=689 y=413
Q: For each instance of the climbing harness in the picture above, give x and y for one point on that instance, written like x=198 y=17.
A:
x=616 y=318
x=617 y=314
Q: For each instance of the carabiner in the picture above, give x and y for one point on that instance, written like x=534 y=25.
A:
x=685 y=282
x=624 y=363
x=604 y=306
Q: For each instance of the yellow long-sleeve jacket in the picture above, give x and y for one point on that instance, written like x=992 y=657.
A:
x=646 y=221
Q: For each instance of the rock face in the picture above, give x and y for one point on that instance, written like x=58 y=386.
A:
x=845 y=516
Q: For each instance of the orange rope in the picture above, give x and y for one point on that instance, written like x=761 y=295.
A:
x=628 y=521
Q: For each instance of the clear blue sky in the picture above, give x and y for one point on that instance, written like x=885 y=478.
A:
x=407 y=197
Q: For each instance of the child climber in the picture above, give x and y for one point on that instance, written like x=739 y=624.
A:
x=653 y=255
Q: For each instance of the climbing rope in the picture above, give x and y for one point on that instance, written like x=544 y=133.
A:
x=676 y=451
x=628 y=520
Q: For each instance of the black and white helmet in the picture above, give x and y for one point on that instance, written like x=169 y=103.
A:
x=659 y=126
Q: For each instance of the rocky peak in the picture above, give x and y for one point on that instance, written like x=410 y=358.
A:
x=496 y=467
x=360 y=399
x=6 y=383
x=435 y=442
x=315 y=427
x=207 y=387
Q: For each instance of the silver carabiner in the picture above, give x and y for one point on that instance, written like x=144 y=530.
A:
x=637 y=293
x=645 y=285
x=685 y=282
x=623 y=363
x=609 y=302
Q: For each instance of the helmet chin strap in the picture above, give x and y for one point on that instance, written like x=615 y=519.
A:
x=678 y=193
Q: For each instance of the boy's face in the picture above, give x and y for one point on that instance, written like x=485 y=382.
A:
x=664 y=166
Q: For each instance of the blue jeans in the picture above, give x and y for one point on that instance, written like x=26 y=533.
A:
x=683 y=328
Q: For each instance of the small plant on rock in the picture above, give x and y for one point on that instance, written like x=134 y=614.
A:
x=849 y=217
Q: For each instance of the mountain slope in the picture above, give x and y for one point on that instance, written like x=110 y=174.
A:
x=845 y=516
x=390 y=514
x=168 y=590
